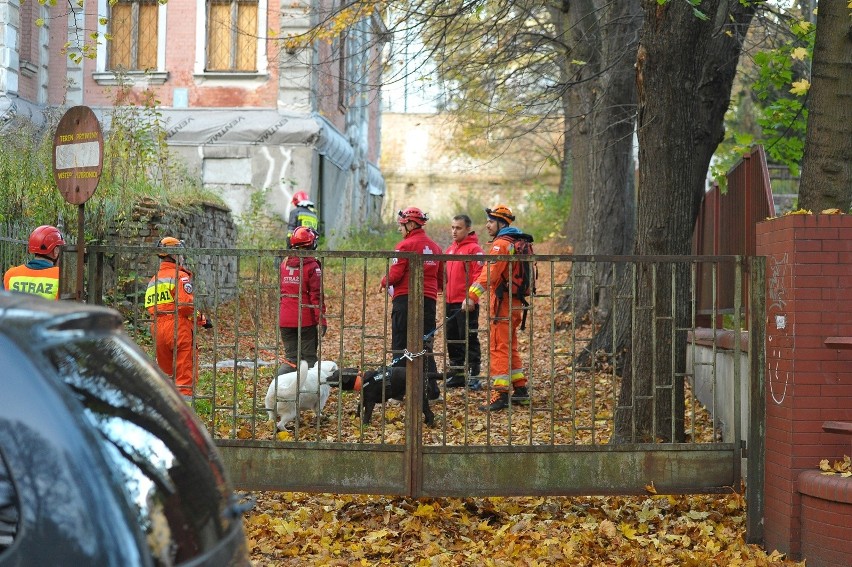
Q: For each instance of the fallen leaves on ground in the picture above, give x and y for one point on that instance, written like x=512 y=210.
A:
x=337 y=529
x=569 y=406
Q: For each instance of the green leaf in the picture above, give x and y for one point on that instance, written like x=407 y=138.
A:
x=700 y=15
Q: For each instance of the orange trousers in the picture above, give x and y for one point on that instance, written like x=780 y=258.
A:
x=504 y=359
x=175 y=350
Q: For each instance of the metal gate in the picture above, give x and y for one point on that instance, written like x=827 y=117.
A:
x=560 y=444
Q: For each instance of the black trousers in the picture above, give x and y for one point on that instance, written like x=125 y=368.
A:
x=456 y=328
x=399 y=329
x=290 y=340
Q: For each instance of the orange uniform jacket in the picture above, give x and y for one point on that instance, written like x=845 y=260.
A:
x=504 y=359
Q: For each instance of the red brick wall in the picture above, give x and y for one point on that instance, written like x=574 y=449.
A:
x=809 y=298
x=180 y=61
x=826 y=519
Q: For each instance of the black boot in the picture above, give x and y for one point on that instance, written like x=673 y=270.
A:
x=499 y=401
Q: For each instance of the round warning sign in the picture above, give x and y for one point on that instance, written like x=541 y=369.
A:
x=78 y=154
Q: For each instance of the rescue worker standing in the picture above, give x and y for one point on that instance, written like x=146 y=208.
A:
x=39 y=276
x=302 y=213
x=460 y=276
x=302 y=301
x=169 y=299
x=414 y=239
x=506 y=365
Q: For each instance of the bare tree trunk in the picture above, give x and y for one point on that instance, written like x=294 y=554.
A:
x=685 y=69
x=599 y=111
x=827 y=163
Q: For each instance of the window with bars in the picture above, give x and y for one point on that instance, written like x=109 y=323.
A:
x=232 y=35
x=133 y=26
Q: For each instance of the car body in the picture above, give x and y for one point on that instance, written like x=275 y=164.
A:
x=101 y=461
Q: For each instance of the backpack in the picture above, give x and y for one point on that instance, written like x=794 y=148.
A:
x=524 y=273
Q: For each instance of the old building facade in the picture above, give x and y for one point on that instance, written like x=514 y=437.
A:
x=245 y=109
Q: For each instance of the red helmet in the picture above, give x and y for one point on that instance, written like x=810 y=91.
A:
x=502 y=213
x=165 y=245
x=299 y=196
x=412 y=214
x=304 y=237
x=44 y=239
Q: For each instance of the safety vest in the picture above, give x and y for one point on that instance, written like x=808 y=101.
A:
x=36 y=281
x=307 y=217
x=170 y=283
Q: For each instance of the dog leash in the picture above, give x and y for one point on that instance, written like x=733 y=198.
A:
x=426 y=337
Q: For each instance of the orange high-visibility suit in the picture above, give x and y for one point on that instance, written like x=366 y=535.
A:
x=504 y=359
x=170 y=301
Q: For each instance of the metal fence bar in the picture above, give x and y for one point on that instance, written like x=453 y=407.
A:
x=756 y=442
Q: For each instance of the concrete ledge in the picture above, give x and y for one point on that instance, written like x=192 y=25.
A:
x=839 y=342
x=723 y=338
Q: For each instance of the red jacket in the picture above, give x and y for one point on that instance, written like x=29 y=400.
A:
x=433 y=270
x=296 y=291
x=461 y=275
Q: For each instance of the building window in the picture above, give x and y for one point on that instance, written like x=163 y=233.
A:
x=133 y=26
x=136 y=50
x=232 y=35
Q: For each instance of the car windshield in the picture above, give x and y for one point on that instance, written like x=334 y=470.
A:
x=163 y=460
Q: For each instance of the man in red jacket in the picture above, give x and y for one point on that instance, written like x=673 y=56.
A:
x=302 y=300
x=460 y=276
x=414 y=239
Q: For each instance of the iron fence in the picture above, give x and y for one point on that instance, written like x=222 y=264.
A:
x=561 y=443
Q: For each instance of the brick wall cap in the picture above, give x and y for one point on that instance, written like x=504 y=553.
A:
x=798 y=221
x=815 y=484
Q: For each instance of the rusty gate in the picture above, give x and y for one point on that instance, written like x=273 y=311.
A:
x=562 y=443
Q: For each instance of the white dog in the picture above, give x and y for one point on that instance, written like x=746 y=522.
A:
x=311 y=385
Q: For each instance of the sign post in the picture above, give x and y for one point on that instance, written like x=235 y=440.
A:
x=78 y=159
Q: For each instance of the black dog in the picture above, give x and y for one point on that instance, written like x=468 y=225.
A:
x=372 y=384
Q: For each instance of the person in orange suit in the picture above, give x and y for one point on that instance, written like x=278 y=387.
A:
x=506 y=365
x=169 y=300
x=39 y=276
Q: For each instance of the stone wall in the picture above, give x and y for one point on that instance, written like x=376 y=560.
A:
x=202 y=227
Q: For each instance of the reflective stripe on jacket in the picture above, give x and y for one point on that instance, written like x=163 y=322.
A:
x=37 y=277
x=302 y=216
x=171 y=282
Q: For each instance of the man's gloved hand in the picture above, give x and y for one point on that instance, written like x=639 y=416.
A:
x=324 y=329
x=468 y=304
x=203 y=321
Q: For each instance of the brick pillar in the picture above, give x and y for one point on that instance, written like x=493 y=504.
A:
x=808 y=299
